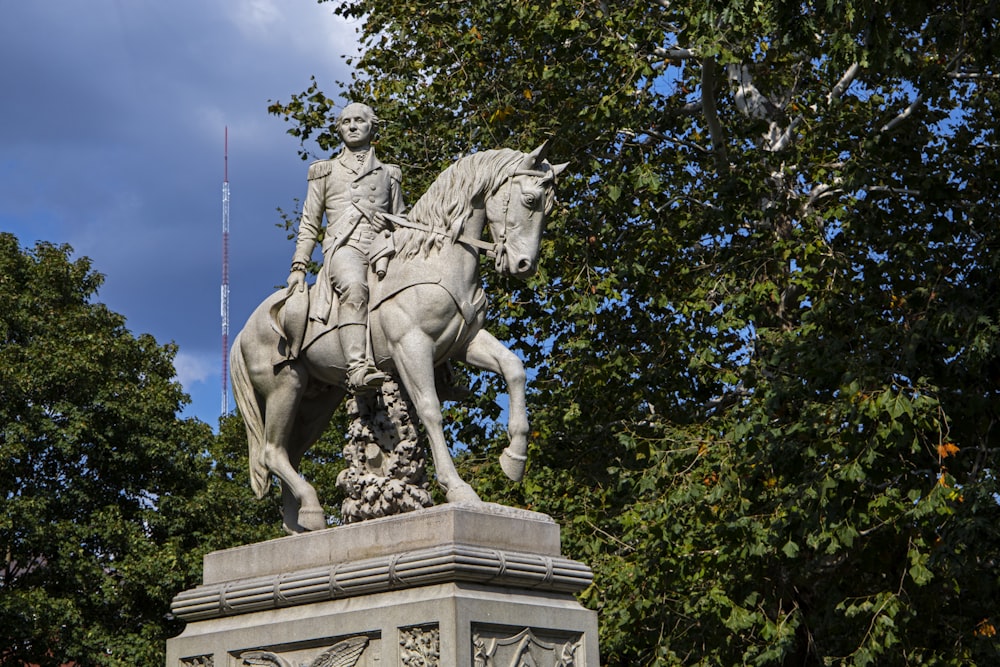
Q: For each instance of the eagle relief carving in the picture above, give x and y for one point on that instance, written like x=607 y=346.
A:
x=345 y=653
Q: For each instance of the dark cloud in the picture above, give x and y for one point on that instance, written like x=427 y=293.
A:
x=111 y=140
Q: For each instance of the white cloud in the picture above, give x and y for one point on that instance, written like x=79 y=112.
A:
x=256 y=18
x=192 y=368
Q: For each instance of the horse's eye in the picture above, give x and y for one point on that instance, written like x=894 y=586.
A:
x=529 y=200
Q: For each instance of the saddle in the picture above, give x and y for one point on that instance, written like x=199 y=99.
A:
x=290 y=319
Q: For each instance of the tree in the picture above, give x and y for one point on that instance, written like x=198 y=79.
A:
x=108 y=501
x=764 y=340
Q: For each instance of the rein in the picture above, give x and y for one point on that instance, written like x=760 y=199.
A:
x=489 y=248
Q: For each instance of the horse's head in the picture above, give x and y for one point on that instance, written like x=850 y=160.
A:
x=517 y=211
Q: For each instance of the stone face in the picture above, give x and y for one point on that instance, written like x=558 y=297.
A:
x=476 y=586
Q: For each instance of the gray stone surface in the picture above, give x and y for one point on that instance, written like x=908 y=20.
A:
x=463 y=619
x=456 y=586
x=484 y=525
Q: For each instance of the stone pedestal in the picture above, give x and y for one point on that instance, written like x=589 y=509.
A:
x=453 y=585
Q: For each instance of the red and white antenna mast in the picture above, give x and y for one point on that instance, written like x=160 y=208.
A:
x=225 y=277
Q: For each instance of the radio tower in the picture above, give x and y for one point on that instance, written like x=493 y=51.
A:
x=225 y=277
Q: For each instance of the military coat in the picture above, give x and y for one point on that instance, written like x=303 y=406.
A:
x=343 y=190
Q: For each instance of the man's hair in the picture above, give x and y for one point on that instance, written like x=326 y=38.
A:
x=361 y=109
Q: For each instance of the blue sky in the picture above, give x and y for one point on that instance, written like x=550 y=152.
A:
x=111 y=140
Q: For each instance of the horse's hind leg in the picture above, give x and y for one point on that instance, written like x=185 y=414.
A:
x=314 y=415
x=486 y=352
x=282 y=406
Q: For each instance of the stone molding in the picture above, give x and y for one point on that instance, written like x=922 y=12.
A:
x=446 y=564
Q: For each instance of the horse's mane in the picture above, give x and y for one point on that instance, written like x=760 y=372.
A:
x=448 y=203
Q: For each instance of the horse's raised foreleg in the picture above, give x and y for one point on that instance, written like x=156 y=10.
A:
x=302 y=511
x=414 y=361
x=486 y=352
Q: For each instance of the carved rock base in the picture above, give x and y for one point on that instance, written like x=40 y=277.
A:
x=386 y=471
x=436 y=587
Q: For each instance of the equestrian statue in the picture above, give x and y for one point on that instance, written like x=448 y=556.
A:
x=293 y=363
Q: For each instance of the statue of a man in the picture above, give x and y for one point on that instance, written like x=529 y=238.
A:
x=352 y=189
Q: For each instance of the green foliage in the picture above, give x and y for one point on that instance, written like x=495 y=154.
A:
x=763 y=343
x=107 y=501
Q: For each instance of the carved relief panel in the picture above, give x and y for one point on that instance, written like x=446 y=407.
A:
x=420 y=646
x=198 y=661
x=494 y=646
x=356 y=651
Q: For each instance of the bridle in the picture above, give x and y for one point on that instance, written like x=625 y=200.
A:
x=499 y=252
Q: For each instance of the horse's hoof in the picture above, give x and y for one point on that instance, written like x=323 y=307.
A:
x=462 y=493
x=312 y=519
x=513 y=464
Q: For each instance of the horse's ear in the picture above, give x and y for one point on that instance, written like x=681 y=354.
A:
x=533 y=160
x=559 y=168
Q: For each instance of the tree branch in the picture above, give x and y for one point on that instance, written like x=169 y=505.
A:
x=711 y=113
x=786 y=137
x=675 y=53
x=972 y=76
x=906 y=113
x=749 y=100
x=885 y=189
x=660 y=136
x=918 y=102
x=845 y=82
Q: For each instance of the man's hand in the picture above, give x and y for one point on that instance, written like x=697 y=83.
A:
x=296 y=282
x=379 y=222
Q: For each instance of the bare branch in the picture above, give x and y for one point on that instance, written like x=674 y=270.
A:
x=972 y=76
x=918 y=102
x=660 y=136
x=906 y=113
x=753 y=103
x=786 y=137
x=675 y=53
x=822 y=190
x=844 y=83
x=711 y=114
x=691 y=108
x=749 y=100
x=885 y=189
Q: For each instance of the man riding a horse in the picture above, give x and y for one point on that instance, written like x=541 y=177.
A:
x=429 y=309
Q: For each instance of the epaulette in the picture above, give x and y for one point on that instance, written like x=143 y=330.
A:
x=319 y=169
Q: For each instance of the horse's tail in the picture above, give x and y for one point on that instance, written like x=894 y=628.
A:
x=249 y=407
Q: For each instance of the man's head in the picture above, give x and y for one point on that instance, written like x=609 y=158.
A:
x=356 y=125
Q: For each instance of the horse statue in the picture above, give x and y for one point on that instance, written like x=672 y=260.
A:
x=430 y=307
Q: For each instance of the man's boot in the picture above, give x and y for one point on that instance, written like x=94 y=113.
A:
x=361 y=375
